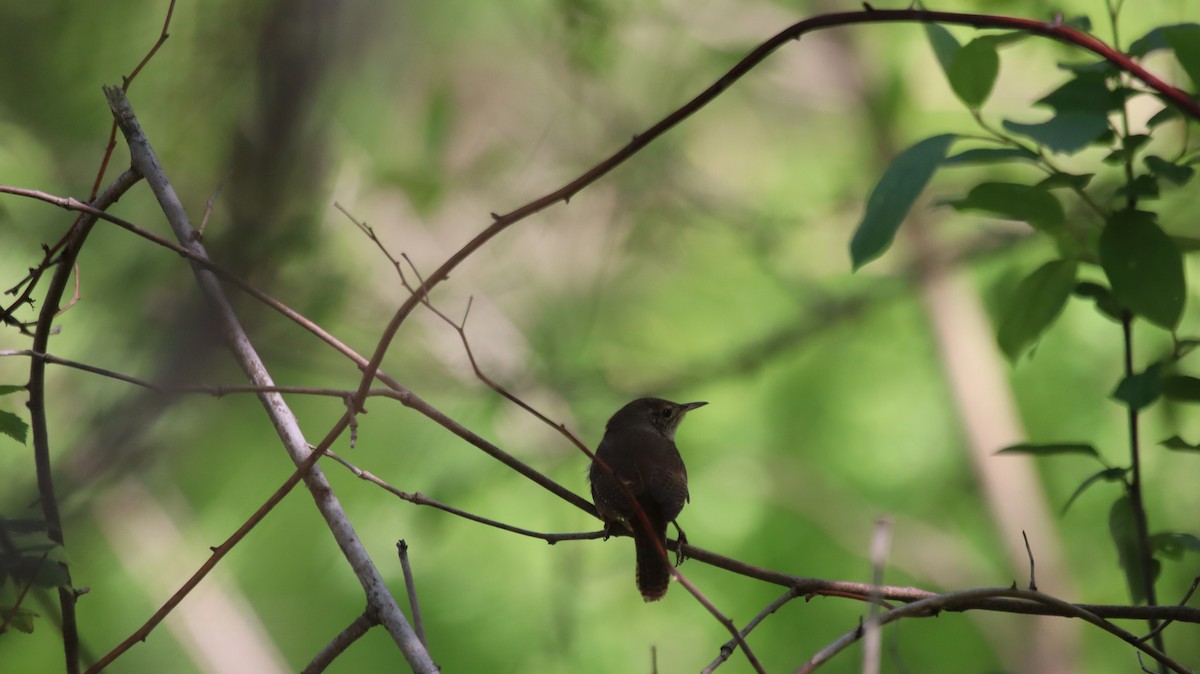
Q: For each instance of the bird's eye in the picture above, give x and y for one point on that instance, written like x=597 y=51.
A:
x=665 y=413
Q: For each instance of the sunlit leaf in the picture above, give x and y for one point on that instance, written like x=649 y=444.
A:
x=894 y=195
x=1038 y=300
x=1144 y=267
x=972 y=72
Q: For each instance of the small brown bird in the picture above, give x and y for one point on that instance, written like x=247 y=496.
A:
x=639 y=450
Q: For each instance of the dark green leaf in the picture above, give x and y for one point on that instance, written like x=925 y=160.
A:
x=1185 y=42
x=1130 y=146
x=21 y=618
x=1108 y=475
x=1155 y=39
x=945 y=46
x=1050 y=449
x=1084 y=93
x=1171 y=171
x=893 y=196
x=5 y=389
x=1105 y=303
x=12 y=426
x=1140 y=390
x=972 y=73
x=989 y=156
x=1182 y=388
x=1123 y=528
x=21 y=525
x=1186 y=244
x=1143 y=187
x=1066 y=132
x=1144 y=267
x=1174 y=544
x=1069 y=180
x=1101 y=68
x=1167 y=114
x=1012 y=201
x=1038 y=300
x=1179 y=444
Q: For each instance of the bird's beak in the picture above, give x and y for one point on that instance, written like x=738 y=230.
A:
x=688 y=407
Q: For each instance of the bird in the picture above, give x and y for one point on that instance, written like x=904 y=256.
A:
x=637 y=461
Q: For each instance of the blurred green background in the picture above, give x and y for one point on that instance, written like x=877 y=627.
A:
x=712 y=266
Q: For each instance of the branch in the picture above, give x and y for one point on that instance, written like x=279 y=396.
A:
x=353 y=632
x=147 y=164
x=951 y=601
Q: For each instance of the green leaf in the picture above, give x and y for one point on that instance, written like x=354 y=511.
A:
x=1179 y=444
x=1105 y=303
x=1171 y=171
x=1038 y=300
x=1186 y=244
x=5 y=389
x=1185 y=42
x=1123 y=528
x=12 y=426
x=945 y=46
x=972 y=73
x=1084 y=93
x=894 y=195
x=1050 y=449
x=1182 y=388
x=1069 y=180
x=21 y=618
x=1174 y=544
x=1156 y=39
x=978 y=156
x=1107 y=475
x=1167 y=114
x=1144 y=267
x=1143 y=187
x=1013 y=201
x=1066 y=132
x=1130 y=146
x=1140 y=390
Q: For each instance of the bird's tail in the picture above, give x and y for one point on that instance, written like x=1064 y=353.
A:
x=653 y=569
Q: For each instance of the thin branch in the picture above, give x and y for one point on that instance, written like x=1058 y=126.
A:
x=410 y=586
x=37 y=405
x=1029 y=551
x=872 y=637
x=353 y=632
x=729 y=646
x=147 y=164
x=418 y=498
x=952 y=601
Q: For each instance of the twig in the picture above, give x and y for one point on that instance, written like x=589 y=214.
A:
x=729 y=646
x=1029 y=551
x=1182 y=602
x=872 y=638
x=353 y=632
x=37 y=406
x=147 y=164
x=411 y=586
x=418 y=498
x=933 y=605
